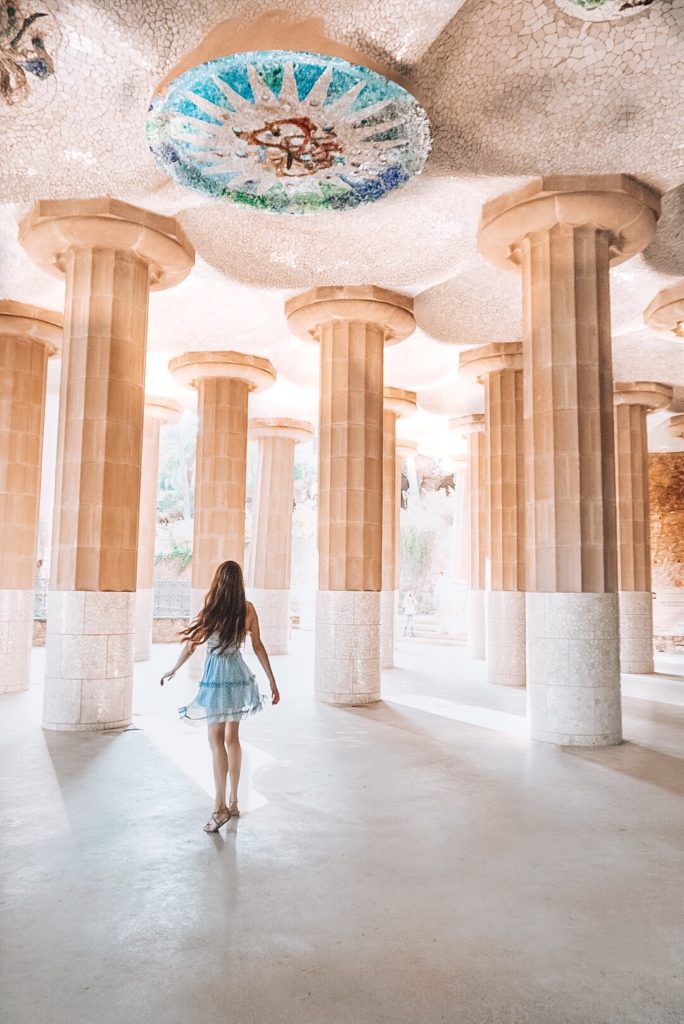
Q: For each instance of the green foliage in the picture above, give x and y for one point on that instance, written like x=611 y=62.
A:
x=180 y=552
x=174 y=543
x=416 y=549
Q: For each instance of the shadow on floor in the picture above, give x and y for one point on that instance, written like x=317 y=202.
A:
x=638 y=762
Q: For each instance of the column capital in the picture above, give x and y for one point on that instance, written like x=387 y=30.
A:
x=649 y=393
x=401 y=403
x=497 y=356
x=299 y=431
x=609 y=202
x=160 y=407
x=18 y=318
x=675 y=426
x=192 y=367
x=473 y=423
x=308 y=312
x=406 y=449
x=665 y=314
x=54 y=226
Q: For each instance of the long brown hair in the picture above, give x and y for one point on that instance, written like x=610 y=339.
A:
x=224 y=611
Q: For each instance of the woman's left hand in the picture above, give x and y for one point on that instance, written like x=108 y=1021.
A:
x=167 y=675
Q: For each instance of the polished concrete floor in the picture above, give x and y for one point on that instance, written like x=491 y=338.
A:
x=412 y=862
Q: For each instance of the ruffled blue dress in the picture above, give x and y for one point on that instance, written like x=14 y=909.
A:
x=228 y=690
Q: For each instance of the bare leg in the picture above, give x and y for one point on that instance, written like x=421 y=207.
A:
x=220 y=762
x=232 y=740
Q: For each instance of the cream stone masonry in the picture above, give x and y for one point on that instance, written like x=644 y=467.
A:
x=112 y=255
x=499 y=367
x=268 y=575
x=398 y=404
x=223 y=381
x=28 y=337
x=633 y=402
x=352 y=326
x=665 y=314
x=563 y=233
x=159 y=410
x=472 y=427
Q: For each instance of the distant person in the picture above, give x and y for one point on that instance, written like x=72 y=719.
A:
x=409 y=612
x=227 y=691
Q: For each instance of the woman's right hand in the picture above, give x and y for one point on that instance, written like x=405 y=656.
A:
x=167 y=675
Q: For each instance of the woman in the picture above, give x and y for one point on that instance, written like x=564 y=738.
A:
x=227 y=691
x=409 y=612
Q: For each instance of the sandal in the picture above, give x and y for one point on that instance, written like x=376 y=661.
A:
x=233 y=811
x=217 y=821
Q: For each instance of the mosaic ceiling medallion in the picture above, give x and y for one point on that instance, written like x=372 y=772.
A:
x=288 y=132
x=604 y=10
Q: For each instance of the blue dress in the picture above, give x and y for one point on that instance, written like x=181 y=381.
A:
x=228 y=689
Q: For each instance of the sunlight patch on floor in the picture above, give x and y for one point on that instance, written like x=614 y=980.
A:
x=186 y=745
x=499 y=721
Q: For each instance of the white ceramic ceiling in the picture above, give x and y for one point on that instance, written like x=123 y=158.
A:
x=512 y=88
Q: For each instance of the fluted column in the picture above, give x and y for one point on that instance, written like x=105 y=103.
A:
x=499 y=367
x=563 y=233
x=159 y=410
x=28 y=337
x=633 y=402
x=472 y=427
x=397 y=404
x=112 y=255
x=352 y=326
x=223 y=381
x=268 y=575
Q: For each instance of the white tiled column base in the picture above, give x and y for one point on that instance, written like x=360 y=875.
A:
x=16 y=639
x=475 y=624
x=347 y=646
x=573 y=673
x=505 y=637
x=89 y=660
x=388 y=617
x=273 y=610
x=195 y=664
x=144 y=609
x=636 y=631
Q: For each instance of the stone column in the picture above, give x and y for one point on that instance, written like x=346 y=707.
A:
x=28 y=337
x=633 y=402
x=499 y=367
x=112 y=255
x=351 y=325
x=270 y=547
x=563 y=233
x=397 y=404
x=472 y=427
x=223 y=381
x=158 y=410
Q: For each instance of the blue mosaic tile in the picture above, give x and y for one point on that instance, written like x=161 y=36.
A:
x=288 y=132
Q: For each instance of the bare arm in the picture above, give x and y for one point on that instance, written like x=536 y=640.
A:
x=252 y=627
x=187 y=652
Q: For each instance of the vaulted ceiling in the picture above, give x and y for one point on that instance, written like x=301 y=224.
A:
x=512 y=89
